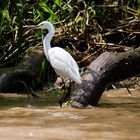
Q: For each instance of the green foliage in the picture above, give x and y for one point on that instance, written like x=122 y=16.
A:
x=16 y=40
x=75 y=17
x=43 y=68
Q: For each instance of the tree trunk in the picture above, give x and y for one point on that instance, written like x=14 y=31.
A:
x=106 y=69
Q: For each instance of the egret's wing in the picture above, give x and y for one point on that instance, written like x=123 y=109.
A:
x=63 y=63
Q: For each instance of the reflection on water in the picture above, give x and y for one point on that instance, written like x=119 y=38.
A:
x=116 y=118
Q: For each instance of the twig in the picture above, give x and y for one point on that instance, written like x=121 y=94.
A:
x=127 y=88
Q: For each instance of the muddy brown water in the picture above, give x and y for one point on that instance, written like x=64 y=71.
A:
x=116 y=118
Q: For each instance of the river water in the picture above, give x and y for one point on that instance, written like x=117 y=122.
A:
x=116 y=118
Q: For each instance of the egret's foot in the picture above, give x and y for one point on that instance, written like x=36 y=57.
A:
x=72 y=104
x=65 y=104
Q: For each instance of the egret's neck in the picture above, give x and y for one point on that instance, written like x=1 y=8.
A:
x=47 y=39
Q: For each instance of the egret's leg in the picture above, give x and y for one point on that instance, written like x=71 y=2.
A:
x=66 y=94
x=61 y=101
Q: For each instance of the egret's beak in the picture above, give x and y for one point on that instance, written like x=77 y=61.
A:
x=31 y=26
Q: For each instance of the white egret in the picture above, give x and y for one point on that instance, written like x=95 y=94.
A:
x=61 y=61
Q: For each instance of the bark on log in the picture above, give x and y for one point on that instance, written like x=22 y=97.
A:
x=106 y=69
x=12 y=79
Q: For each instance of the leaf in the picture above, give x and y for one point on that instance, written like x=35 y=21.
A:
x=53 y=16
x=91 y=11
x=5 y=17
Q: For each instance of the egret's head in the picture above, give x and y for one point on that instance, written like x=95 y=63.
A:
x=45 y=25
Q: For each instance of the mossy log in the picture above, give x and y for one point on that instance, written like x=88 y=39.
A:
x=24 y=75
x=106 y=69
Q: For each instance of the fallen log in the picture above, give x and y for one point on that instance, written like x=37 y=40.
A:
x=24 y=75
x=106 y=69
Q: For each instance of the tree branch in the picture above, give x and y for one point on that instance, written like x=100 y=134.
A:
x=106 y=69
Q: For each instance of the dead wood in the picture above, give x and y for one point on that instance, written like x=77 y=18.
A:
x=106 y=69
x=16 y=79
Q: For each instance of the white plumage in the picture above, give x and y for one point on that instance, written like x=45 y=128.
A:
x=62 y=62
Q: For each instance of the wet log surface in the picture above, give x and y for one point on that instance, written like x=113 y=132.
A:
x=16 y=79
x=106 y=69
